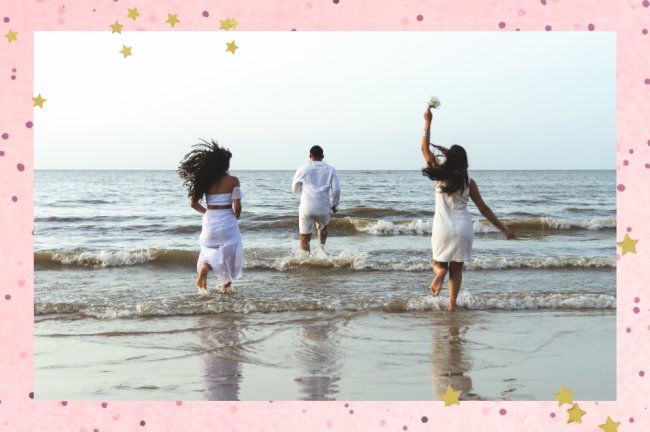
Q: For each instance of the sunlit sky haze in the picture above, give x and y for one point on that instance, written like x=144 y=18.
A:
x=514 y=100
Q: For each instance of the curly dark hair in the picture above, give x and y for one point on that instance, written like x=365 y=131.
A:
x=453 y=171
x=203 y=166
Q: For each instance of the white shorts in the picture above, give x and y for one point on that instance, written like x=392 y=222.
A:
x=306 y=223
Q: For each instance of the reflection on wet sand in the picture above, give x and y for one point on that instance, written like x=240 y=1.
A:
x=319 y=362
x=450 y=362
x=222 y=359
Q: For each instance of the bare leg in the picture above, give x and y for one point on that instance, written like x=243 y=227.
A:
x=322 y=235
x=304 y=242
x=440 y=271
x=202 y=280
x=455 y=280
x=225 y=288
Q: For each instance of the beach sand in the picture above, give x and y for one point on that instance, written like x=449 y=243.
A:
x=320 y=355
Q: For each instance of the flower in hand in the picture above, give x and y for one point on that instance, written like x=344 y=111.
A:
x=434 y=102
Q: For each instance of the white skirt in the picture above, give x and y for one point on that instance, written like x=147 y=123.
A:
x=452 y=238
x=221 y=245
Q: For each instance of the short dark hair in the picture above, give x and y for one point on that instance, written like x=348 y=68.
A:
x=316 y=151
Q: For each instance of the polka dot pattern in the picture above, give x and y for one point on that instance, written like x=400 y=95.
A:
x=16 y=163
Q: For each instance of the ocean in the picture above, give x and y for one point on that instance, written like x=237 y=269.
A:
x=115 y=270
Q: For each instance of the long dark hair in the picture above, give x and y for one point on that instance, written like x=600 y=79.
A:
x=453 y=171
x=203 y=166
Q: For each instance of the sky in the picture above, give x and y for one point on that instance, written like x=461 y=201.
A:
x=514 y=100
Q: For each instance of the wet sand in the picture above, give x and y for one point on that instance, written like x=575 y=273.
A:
x=320 y=355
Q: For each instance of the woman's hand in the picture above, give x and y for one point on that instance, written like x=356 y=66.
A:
x=509 y=234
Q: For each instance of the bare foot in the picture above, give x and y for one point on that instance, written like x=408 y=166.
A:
x=436 y=284
x=202 y=280
x=226 y=288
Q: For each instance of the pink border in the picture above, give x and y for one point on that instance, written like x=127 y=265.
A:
x=628 y=18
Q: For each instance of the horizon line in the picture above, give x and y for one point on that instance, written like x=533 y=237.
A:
x=347 y=169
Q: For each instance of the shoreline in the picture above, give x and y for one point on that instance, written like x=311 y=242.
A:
x=488 y=355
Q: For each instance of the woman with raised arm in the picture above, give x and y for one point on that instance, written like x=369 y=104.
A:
x=452 y=232
x=205 y=171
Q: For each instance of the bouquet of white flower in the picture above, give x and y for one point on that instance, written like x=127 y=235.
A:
x=434 y=102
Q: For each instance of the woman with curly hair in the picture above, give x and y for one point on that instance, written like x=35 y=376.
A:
x=452 y=232
x=205 y=172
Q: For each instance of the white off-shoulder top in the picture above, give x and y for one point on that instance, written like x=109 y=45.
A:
x=225 y=198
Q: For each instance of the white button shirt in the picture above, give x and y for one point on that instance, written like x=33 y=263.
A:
x=313 y=181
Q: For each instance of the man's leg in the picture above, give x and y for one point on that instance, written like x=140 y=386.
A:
x=321 y=226
x=305 y=228
x=322 y=235
x=304 y=242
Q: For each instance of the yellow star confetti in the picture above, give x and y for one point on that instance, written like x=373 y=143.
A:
x=565 y=396
x=117 y=27
x=627 y=245
x=126 y=51
x=609 y=425
x=133 y=13
x=172 y=19
x=39 y=101
x=575 y=414
x=228 y=24
x=11 y=36
x=231 y=47
x=451 y=396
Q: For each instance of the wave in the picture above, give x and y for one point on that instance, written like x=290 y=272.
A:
x=565 y=224
x=360 y=221
x=419 y=226
x=215 y=304
x=115 y=218
x=363 y=262
x=102 y=259
x=261 y=259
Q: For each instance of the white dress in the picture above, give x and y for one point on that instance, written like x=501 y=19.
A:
x=220 y=240
x=452 y=232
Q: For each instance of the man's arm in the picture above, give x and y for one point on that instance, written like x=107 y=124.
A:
x=336 y=191
x=296 y=185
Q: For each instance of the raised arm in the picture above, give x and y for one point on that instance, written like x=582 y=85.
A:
x=426 y=149
x=475 y=195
